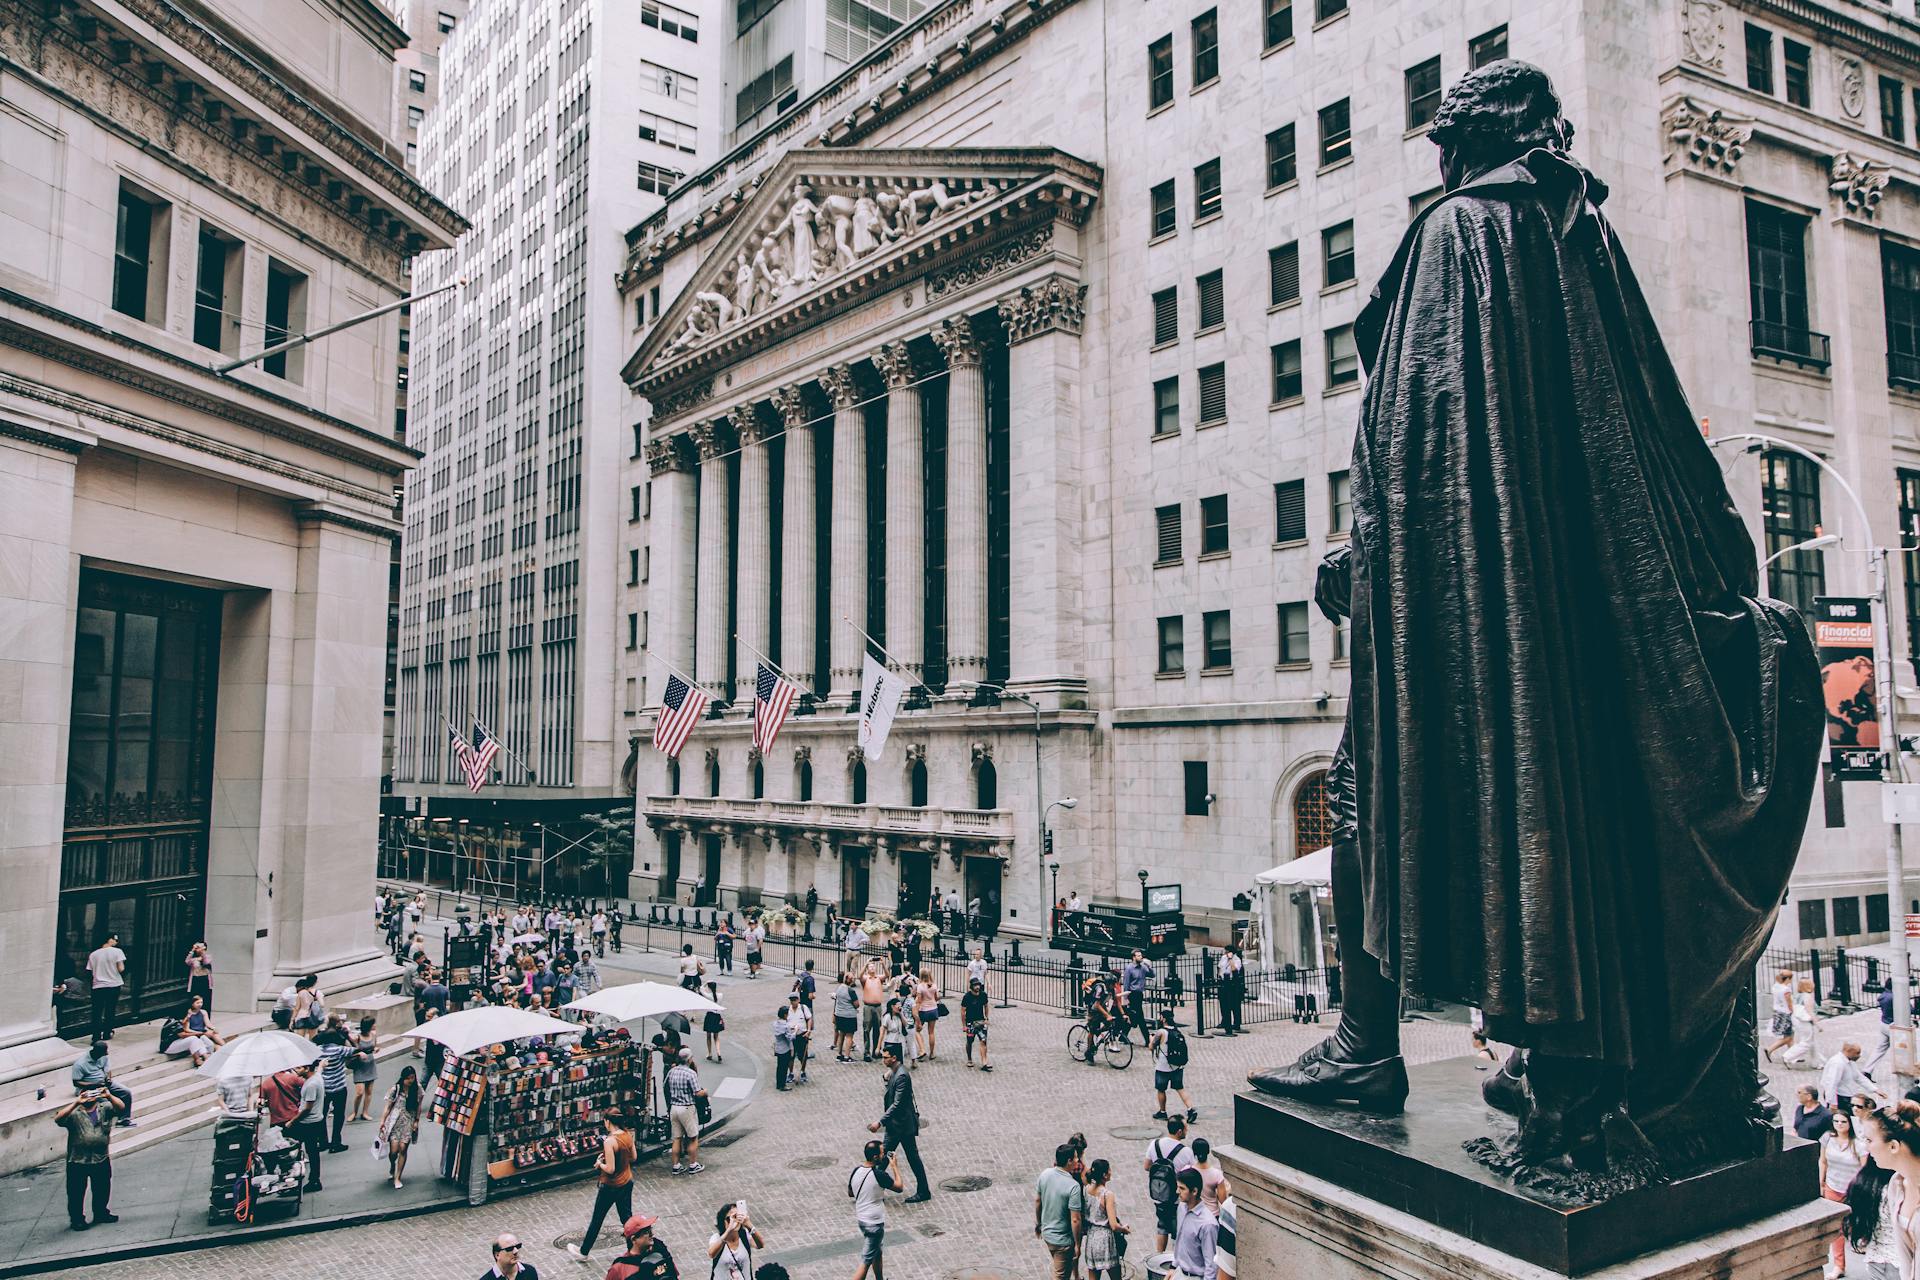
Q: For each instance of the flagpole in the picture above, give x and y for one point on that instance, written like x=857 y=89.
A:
x=918 y=684
x=510 y=752
x=691 y=682
x=770 y=663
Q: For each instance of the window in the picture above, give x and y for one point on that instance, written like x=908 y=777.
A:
x=1777 y=285
x=1194 y=776
x=1206 y=190
x=1166 y=316
x=1173 y=657
x=657 y=178
x=668 y=132
x=1286 y=371
x=1790 y=503
x=670 y=21
x=286 y=317
x=1799 y=66
x=633 y=631
x=1283 y=274
x=1290 y=511
x=633 y=503
x=1876 y=913
x=417 y=81
x=1340 y=502
x=1166 y=524
x=1163 y=217
x=1343 y=359
x=1166 y=407
x=1813 y=916
x=669 y=83
x=414 y=116
x=1218 y=625
x=1893 y=116
x=1759 y=59
x=1206 y=48
x=447 y=22
x=1213 y=304
x=1279 y=26
x=803 y=780
x=633 y=566
x=1423 y=93
x=1900 y=284
x=1325 y=9
x=140 y=257
x=1488 y=46
x=413 y=155
x=1336 y=255
x=1910 y=560
x=216 y=289
x=858 y=788
x=856 y=26
x=1213 y=525
x=1281 y=168
x=1419 y=200
x=762 y=91
x=1846 y=916
x=1160 y=73
x=1213 y=395
x=748 y=12
x=1336 y=133
x=1293 y=633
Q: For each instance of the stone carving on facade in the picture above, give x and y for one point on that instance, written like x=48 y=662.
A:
x=1853 y=87
x=687 y=397
x=1057 y=303
x=803 y=755
x=958 y=342
x=916 y=753
x=753 y=755
x=838 y=382
x=1701 y=33
x=791 y=406
x=1706 y=137
x=895 y=363
x=710 y=439
x=1857 y=184
x=825 y=226
x=855 y=757
x=713 y=758
x=666 y=455
x=749 y=424
x=993 y=262
x=982 y=751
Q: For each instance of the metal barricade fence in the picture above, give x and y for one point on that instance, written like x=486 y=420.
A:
x=1839 y=979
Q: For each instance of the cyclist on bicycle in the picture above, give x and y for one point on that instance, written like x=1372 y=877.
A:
x=1103 y=1012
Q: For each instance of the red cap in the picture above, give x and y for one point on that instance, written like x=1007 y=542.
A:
x=637 y=1223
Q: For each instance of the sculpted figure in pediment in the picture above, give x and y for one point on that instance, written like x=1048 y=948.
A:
x=802 y=222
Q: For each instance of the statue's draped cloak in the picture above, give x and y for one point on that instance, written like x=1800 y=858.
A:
x=1584 y=748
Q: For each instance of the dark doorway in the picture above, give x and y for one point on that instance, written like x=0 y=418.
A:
x=669 y=865
x=709 y=892
x=916 y=882
x=853 y=882
x=983 y=883
x=139 y=782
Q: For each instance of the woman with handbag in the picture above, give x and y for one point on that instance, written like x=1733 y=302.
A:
x=713 y=1024
x=927 y=1011
x=400 y=1121
x=361 y=1046
x=1104 y=1244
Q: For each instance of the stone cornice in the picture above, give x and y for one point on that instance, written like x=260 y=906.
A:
x=310 y=513
x=1898 y=42
x=58 y=441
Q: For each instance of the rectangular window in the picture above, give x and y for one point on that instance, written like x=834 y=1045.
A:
x=669 y=132
x=1336 y=255
x=1279 y=26
x=1166 y=526
x=417 y=81
x=1213 y=301
x=1877 y=913
x=139 y=257
x=1340 y=502
x=748 y=12
x=1206 y=47
x=1194 y=777
x=1343 y=359
x=1213 y=395
x=1218 y=626
x=1790 y=503
x=447 y=22
x=1206 y=189
x=1423 y=93
x=633 y=631
x=1910 y=560
x=1283 y=274
x=1893 y=115
x=1799 y=72
x=764 y=90
x=1846 y=917
x=1166 y=316
x=1290 y=511
x=856 y=26
x=1160 y=73
x=1282 y=166
x=1336 y=133
x=633 y=566
x=215 y=289
x=1286 y=371
x=1488 y=46
x=669 y=20
x=1813 y=917
x=1166 y=407
x=633 y=503
x=1759 y=59
x=1777 y=286
x=1162 y=223
x=1900 y=285
x=1173 y=654
x=1293 y=633
x=414 y=117
x=657 y=178
x=286 y=317
x=1326 y=9
x=1213 y=525
x=669 y=83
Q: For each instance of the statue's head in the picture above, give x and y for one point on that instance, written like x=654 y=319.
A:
x=1497 y=114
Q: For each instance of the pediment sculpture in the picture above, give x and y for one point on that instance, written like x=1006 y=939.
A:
x=822 y=228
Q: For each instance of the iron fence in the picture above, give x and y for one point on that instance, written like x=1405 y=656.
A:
x=1839 y=979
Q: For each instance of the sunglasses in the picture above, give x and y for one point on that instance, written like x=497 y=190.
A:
x=506 y=1248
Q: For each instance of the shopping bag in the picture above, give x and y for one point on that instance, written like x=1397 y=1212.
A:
x=379 y=1146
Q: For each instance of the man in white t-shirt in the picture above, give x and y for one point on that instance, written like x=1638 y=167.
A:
x=977 y=967
x=1073 y=900
x=755 y=938
x=880 y=1172
x=692 y=969
x=856 y=938
x=800 y=1027
x=107 y=967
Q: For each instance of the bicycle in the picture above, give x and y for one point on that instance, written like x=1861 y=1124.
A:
x=1112 y=1045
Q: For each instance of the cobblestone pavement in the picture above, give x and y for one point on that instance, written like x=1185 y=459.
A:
x=789 y=1154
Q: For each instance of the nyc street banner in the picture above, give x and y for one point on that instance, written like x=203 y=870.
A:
x=880 y=694
x=1843 y=635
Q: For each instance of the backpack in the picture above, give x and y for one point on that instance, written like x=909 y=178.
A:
x=170 y=1030
x=1176 y=1048
x=1162 y=1177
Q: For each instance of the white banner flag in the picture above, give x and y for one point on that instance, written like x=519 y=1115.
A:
x=880 y=694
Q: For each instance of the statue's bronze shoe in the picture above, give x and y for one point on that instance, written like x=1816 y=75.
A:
x=1506 y=1089
x=1372 y=1086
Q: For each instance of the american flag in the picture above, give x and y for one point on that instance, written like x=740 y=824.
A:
x=476 y=761
x=773 y=698
x=680 y=709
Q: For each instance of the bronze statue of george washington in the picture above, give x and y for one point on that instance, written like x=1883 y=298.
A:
x=1580 y=745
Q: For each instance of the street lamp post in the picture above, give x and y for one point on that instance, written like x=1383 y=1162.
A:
x=990 y=691
x=1894 y=772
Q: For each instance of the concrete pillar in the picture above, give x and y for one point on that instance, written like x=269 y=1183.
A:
x=966 y=504
x=848 y=590
x=673 y=551
x=753 y=555
x=906 y=512
x=798 y=633
x=715 y=551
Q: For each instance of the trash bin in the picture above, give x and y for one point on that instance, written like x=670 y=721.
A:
x=1158 y=1265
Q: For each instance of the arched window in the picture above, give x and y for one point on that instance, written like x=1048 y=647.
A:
x=803 y=780
x=713 y=778
x=987 y=786
x=759 y=780
x=917 y=784
x=859 y=782
x=1312 y=820
x=673 y=777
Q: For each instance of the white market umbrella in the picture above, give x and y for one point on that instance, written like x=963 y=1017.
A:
x=636 y=1000
x=1314 y=868
x=259 y=1054
x=531 y=937
x=472 y=1029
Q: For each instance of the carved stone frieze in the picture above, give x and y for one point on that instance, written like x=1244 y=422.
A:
x=1853 y=86
x=1706 y=137
x=958 y=342
x=691 y=396
x=1055 y=303
x=1857 y=184
x=995 y=261
x=1702 y=35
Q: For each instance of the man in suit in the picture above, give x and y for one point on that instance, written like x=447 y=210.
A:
x=901 y=1120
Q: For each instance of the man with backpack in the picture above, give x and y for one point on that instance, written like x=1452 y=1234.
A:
x=1170 y=1065
x=1166 y=1158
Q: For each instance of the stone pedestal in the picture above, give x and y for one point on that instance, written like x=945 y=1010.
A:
x=1331 y=1193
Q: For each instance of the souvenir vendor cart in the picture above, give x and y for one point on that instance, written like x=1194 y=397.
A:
x=256 y=1168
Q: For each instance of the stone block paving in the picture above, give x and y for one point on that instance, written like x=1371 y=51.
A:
x=789 y=1156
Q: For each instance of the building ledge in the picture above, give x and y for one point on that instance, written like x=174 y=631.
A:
x=898 y=826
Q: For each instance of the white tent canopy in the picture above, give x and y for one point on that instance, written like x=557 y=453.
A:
x=259 y=1054
x=636 y=1000
x=1313 y=868
x=472 y=1029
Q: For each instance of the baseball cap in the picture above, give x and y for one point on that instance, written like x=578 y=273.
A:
x=636 y=1224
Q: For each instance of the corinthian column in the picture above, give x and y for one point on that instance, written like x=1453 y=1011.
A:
x=716 y=553
x=848 y=590
x=906 y=512
x=966 y=503
x=672 y=548
x=753 y=555
x=797 y=603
